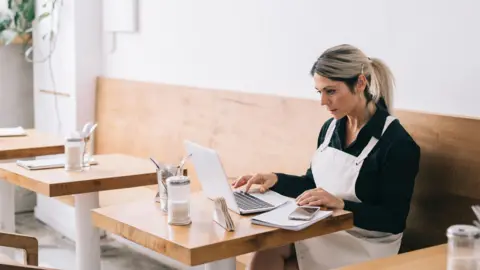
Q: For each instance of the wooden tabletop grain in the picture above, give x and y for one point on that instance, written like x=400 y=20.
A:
x=203 y=240
x=114 y=171
x=35 y=143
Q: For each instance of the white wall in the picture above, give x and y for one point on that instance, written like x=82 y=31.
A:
x=269 y=46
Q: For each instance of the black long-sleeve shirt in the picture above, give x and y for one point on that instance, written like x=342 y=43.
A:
x=386 y=180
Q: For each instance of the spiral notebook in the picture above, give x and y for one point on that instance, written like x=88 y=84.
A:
x=279 y=218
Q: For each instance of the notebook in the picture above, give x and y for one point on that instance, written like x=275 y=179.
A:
x=48 y=163
x=11 y=132
x=278 y=218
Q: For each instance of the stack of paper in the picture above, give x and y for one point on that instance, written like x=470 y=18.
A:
x=279 y=218
x=10 y=132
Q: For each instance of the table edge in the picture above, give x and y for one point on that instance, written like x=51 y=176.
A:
x=196 y=255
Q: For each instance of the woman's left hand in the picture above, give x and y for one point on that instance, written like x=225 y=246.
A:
x=319 y=197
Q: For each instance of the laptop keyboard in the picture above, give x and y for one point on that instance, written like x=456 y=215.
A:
x=248 y=202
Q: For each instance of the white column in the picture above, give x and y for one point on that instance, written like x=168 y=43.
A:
x=7 y=212
x=88 y=238
x=226 y=264
x=76 y=62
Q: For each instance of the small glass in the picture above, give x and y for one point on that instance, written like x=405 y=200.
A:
x=73 y=154
x=87 y=152
x=162 y=196
x=178 y=200
x=463 y=251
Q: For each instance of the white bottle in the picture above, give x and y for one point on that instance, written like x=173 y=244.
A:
x=178 y=200
x=74 y=153
x=463 y=252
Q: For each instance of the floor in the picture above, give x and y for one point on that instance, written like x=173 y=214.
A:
x=58 y=252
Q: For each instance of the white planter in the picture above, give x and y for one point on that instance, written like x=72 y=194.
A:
x=16 y=103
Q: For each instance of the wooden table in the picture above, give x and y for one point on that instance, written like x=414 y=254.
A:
x=112 y=172
x=34 y=144
x=203 y=241
x=432 y=258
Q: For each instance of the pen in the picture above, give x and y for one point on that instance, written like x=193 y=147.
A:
x=154 y=162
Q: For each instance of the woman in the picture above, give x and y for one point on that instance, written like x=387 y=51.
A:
x=365 y=163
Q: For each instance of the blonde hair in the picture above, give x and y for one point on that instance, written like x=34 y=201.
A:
x=346 y=62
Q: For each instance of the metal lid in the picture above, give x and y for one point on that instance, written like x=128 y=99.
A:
x=467 y=231
x=73 y=139
x=178 y=180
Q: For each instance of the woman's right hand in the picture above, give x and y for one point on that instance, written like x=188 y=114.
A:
x=266 y=181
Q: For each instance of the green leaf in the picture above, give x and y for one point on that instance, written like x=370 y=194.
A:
x=5 y=21
x=29 y=11
x=43 y=16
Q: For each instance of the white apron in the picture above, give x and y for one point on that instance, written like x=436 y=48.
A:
x=337 y=172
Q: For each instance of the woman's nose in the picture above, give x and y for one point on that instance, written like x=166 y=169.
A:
x=324 y=99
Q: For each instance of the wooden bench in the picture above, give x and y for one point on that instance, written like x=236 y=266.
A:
x=26 y=243
x=432 y=258
x=262 y=133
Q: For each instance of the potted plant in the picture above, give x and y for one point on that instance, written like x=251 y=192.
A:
x=16 y=22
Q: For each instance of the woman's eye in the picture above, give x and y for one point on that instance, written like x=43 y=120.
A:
x=330 y=92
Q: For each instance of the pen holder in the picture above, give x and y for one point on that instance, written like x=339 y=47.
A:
x=221 y=214
x=162 y=194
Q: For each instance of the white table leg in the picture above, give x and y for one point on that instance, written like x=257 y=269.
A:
x=225 y=264
x=88 y=239
x=7 y=212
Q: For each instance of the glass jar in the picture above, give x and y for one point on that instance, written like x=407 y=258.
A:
x=463 y=251
x=87 y=151
x=74 y=153
x=178 y=188
x=162 y=175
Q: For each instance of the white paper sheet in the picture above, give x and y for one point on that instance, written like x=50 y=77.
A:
x=10 y=132
x=279 y=218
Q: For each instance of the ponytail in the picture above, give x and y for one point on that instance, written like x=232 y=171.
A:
x=346 y=62
x=382 y=83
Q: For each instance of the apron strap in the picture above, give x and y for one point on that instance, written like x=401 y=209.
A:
x=388 y=121
x=373 y=141
x=328 y=136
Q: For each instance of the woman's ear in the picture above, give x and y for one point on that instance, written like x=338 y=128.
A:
x=361 y=84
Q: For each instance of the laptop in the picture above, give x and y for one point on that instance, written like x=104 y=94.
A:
x=214 y=182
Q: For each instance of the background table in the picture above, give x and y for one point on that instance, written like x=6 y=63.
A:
x=112 y=172
x=34 y=144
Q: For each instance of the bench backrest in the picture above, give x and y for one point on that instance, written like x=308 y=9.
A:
x=262 y=133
